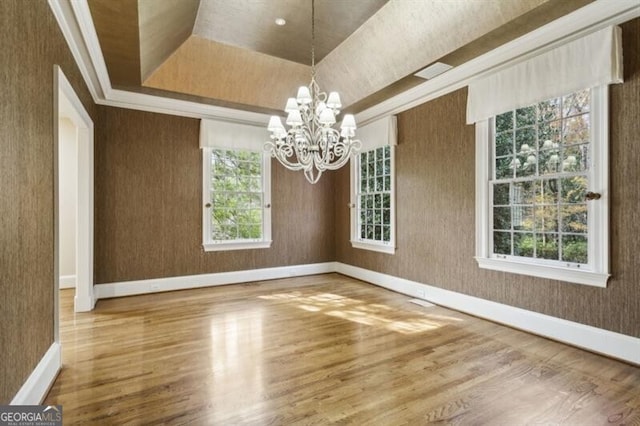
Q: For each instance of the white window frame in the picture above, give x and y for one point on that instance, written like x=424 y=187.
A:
x=209 y=244
x=596 y=272
x=362 y=243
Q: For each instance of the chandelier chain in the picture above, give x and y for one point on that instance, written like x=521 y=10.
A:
x=313 y=38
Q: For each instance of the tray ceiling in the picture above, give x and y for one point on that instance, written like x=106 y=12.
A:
x=231 y=52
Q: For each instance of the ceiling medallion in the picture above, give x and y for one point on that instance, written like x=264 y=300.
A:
x=311 y=143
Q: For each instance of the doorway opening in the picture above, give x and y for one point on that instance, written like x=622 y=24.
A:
x=73 y=175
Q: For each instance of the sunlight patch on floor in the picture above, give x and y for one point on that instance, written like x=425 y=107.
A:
x=357 y=311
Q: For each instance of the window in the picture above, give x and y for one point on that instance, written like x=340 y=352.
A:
x=541 y=163
x=372 y=188
x=236 y=191
x=542 y=160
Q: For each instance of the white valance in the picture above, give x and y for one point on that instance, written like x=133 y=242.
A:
x=378 y=133
x=590 y=61
x=223 y=134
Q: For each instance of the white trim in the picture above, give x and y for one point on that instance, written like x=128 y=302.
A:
x=66 y=99
x=36 y=387
x=374 y=246
x=596 y=272
x=587 y=19
x=590 y=18
x=594 y=339
x=74 y=37
x=128 y=288
x=210 y=245
x=482 y=188
x=576 y=276
x=67 y=281
x=354 y=180
x=236 y=245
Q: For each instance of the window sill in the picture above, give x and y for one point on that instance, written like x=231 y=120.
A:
x=239 y=245
x=576 y=276
x=381 y=248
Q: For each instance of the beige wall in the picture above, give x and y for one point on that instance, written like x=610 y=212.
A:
x=436 y=222
x=31 y=44
x=67 y=196
x=148 y=205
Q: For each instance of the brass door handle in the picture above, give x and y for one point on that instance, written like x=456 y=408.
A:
x=589 y=196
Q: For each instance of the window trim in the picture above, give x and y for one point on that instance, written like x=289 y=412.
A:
x=596 y=273
x=210 y=245
x=356 y=241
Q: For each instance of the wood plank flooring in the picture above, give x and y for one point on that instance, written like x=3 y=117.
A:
x=321 y=350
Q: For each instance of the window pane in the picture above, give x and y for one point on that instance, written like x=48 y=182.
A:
x=504 y=168
x=502 y=218
x=548 y=161
x=504 y=144
x=549 y=110
x=574 y=248
x=547 y=246
x=576 y=130
x=386 y=201
x=547 y=191
x=386 y=234
x=547 y=219
x=504 y=121
x=526 y=141
x=502 y=243
x=574 y=218
x=576 y=103
x=523 y=244
x=522 y=192
x=574 y=189
x=575 y=158
x=526 y=165
x=522 y=218
x=549 y=134
x=525 y=116
x=386 y=216
x=501 y=194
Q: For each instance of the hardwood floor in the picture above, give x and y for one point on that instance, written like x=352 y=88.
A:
x=318 y=350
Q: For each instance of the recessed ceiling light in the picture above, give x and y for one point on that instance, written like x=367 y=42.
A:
x=280 y=21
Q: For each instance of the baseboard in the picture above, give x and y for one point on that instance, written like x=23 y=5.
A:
x=67 y=281
x=615 y=345
x=130 y=288
x=35 y=389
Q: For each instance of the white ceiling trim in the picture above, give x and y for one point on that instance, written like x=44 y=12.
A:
x=74 y=19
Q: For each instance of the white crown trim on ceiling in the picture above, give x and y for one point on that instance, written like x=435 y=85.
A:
x=74 y=19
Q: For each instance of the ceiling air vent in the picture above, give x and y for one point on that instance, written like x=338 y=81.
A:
x=433 y=70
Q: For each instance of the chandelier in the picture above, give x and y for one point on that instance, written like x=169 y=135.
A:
x=311 y=143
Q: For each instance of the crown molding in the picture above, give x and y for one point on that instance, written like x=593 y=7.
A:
x=74 y=19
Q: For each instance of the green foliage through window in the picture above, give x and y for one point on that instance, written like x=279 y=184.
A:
x=236 y=195
x=374 y=195
x=540 y=166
